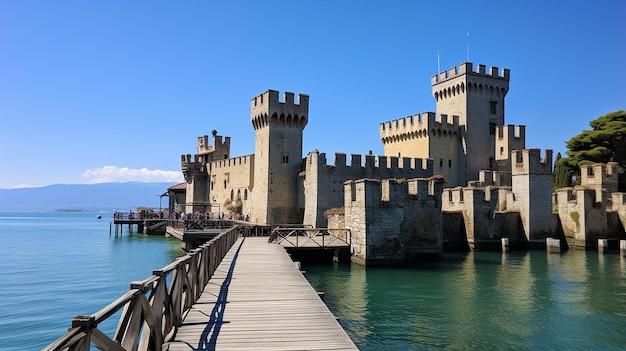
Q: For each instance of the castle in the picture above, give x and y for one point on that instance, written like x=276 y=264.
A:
x=458 y=176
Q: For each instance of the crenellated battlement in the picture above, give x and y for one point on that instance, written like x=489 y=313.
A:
x=509 y=137
x=600 y=175
x=468 y=68
x=396 y=191
x=428 y=124
x=511 y=132
x=267 y=109
x=219 y=143
x=372 y=162
x=529 y=161
x=232 y=162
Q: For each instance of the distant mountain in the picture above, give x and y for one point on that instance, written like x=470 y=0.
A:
x=84 y=197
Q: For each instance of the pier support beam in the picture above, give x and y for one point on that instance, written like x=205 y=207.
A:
x=553 y=245
x=622 y=248
x=505 y=244
x=603 y=245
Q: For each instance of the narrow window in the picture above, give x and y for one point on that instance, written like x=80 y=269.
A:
x=285 y=159
x=492 y=107
x=492 y=128
x=441 y=162
x=501 y=150
x=449 y=163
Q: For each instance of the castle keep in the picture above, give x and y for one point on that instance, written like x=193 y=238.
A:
x=459 y=176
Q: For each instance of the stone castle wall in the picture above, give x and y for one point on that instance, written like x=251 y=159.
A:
x=427 y=136
x=324 y=183
x=593 y=210
x=393 y=221
x=231 y=179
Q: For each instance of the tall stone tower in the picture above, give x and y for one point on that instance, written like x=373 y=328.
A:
x=197 y=173
x=278 y=130
x=532 y=189
x=477 y=98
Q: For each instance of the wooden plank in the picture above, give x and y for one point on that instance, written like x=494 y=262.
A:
x=261 y=302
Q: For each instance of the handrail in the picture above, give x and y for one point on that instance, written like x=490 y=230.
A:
x=152 y=309
x=311 y=237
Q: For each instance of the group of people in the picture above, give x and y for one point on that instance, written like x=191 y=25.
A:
x=210 y=215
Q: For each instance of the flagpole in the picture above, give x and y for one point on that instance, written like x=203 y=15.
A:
x=438 y=64
x=468 y=60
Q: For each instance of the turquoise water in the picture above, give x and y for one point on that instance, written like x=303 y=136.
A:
x=482 y=301
x=59 y=265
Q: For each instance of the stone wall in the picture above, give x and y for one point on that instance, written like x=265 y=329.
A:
x=393 y=221
x=231 y=179
x=532 y=192
x=592 y=210
x=324 y=183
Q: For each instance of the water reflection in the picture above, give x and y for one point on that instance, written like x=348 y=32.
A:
x=482 y=300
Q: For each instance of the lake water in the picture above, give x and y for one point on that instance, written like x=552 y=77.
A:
x=482 y=301
x=58 y=265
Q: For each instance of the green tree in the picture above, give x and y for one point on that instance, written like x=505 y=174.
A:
x=234 y=206
x=605 y=142
x=563 y=173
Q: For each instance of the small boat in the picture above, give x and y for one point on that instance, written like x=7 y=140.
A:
x=99 y=216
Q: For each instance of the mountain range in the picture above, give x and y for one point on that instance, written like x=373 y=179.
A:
x=85 y=197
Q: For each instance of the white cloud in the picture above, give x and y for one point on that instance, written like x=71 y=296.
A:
x=109 y=174
x=22 y=186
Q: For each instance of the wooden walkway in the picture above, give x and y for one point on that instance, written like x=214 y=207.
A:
x=259 y=300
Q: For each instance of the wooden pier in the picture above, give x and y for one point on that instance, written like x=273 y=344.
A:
x=258 y=299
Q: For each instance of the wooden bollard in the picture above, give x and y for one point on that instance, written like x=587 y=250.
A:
x=505 y=244
x=603 y=245
x=622 y=248
x=553 y=245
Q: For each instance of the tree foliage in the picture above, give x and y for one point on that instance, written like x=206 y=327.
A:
x=234 y=206
x=563 y=173
x=605 y=142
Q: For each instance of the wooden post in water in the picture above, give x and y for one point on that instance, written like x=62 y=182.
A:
x=603 y=245
x=553 y=245
x=622 y=248
x=505 y=244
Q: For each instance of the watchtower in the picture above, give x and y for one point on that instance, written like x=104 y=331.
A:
x=531 y=180
x=477 y=98
x=278 y=130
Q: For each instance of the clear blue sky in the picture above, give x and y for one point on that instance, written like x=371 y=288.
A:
x=95 y=91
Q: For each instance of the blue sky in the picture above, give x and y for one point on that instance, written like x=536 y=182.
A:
x=94 y=91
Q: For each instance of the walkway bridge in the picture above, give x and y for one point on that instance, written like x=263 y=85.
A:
x=231 y=293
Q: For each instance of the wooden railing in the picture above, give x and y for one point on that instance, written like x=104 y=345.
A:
x=153 y=309
x=311 y=237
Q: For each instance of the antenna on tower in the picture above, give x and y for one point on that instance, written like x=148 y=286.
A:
x=438 y=64
x=468 y=60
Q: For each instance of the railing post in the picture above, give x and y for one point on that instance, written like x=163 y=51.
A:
x=87 y=323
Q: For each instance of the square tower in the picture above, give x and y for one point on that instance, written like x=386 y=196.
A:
x=477 y=98
x=278 y=130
